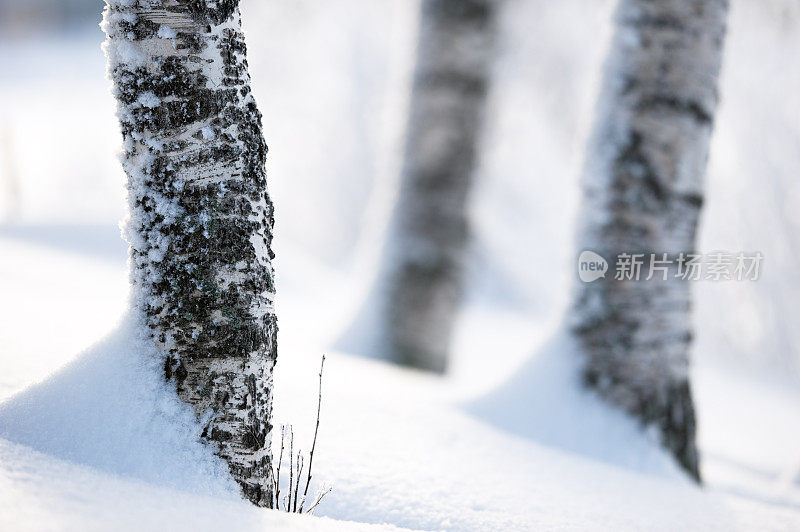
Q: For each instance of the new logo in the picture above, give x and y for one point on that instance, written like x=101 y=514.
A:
x=591 y=266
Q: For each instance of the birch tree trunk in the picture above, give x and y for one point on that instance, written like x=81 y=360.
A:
x=430 y=231
x=643 y=190
x=200 y=223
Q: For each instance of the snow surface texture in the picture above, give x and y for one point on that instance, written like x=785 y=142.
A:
x=42 y=493
x=397 y=446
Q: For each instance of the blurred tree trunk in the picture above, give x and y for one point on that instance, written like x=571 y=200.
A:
x=200 y=223
x=643 y=190
x=430 y=232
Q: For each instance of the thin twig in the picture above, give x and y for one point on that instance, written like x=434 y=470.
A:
x=293 y=502
x=316 y=429
x=291 y=470
x=320 y=495
x=299 y=474
x=277 y=478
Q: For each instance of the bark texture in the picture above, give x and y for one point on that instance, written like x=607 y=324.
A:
x=200 y=223
x=643 y=191
x=430 y=231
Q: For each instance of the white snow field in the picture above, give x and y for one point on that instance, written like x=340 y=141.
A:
x=101 y=443
x=92 y=439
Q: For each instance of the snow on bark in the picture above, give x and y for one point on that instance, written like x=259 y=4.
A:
x=643 y=190
x=200 y=223
x=430 y=230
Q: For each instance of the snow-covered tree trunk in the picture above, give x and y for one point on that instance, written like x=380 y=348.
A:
x=643 y=190
x=200 y=223
x=430 y=230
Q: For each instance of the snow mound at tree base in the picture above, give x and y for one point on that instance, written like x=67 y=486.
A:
x=111 y=409
x=560 y=413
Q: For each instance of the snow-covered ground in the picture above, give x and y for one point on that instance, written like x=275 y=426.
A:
x=507 y=441
x=101 y=444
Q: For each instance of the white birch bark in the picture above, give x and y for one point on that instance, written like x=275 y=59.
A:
x=430 y=229
x=643 y=190
x=200 y=223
